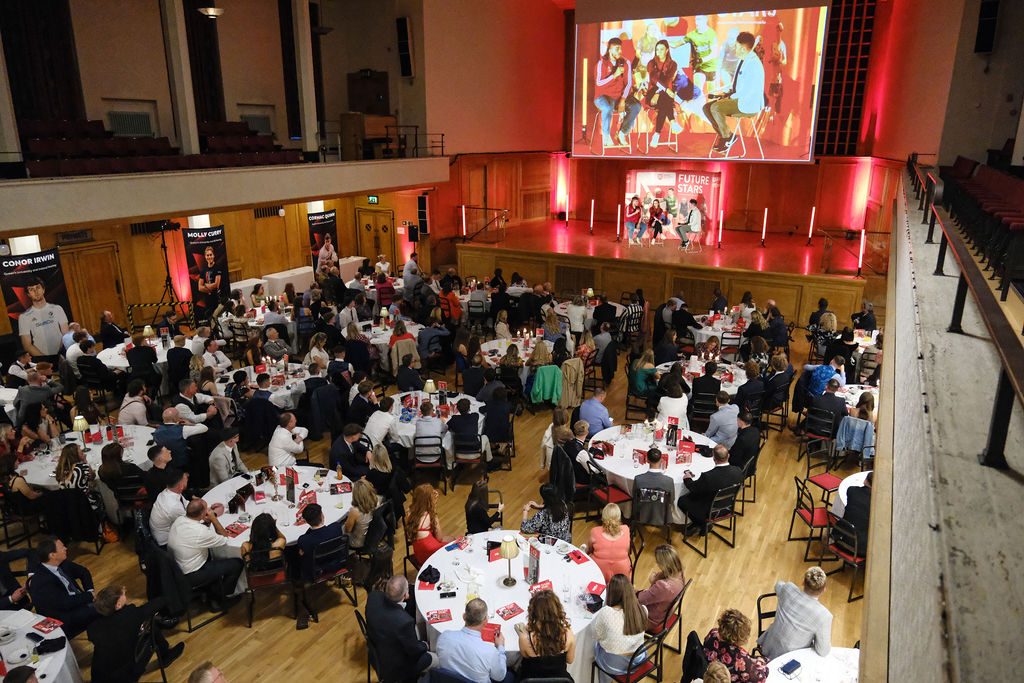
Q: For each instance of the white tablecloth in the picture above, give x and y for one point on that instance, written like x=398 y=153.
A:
x=694 y=367
x=7 y=396
x=299 y=277
x=406 y=431
x=839 y=504
x=562 y=310
x=568 y=580
x=501 y=346
x=702 y=334
x=39 y=472
x=517 y=290
x=282 y=511
x=348 y=267
x=114 y=358
x=621 y=470
x=285 y=397
x=246 y=287
x=257 y=323
x=381 y=336
x=371 y=289
x=851 y=394
x=840 y=666
x=56 y=667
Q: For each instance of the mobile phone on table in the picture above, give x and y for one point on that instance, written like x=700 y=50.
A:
x=790 y=669
x=34 y=637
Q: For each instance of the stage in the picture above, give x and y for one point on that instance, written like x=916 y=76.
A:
x=787 y=270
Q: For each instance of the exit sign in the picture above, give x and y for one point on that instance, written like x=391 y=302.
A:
x=373 y=199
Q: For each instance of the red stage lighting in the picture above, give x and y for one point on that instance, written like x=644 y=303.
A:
x=618 y=223
x=591 y=216
x=810 y=230
x=860 y=255
x=463 y=220
x=764 y=225
x=719 y=228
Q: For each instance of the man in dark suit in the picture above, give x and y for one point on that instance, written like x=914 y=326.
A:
x=326 y=325
x=777 y=385
x=719 y=304
x=604 y=313
x=858 y=509
x=171 y=321
x=111 y=334
x=314 y=381
x=62 y=589
x=529 y=307
x=352 y=455
x=831 y=402
x=401 y=655
x=116 y=633
x=682 y=321
x=575 y=448
x=701 y=492
x=865 y=320
x=12 y=594
x=473 y=376
x=748 y=439
x=363 y=404
x=408 y=377
x=178 y=358
x=500 y=301
x=317 y=533
x=464 y=423
x=707 y=384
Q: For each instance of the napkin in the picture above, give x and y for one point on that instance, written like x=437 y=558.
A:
x=424 y=586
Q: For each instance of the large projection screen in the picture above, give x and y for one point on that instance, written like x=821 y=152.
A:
x=681 y=87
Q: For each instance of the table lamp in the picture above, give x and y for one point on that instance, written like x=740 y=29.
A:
x=509 y=550
x=80 y=425
x=429 y=386
x=590 y=292
x=148 y=331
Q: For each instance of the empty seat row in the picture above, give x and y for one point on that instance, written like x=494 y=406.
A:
x=238 y=143
x=224 y=128
x=48 y=168
x=48 y=148
x=29 y=128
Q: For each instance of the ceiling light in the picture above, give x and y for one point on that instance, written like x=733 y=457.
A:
x=211 y=12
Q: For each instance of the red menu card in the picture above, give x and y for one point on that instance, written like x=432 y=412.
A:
x=438 y=616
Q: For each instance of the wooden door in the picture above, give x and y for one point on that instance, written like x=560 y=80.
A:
x=92 y=273
x=376 y=230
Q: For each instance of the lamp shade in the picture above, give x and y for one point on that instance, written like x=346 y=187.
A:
x=590 y=291
x=509 y=548
x=429 y=386
x=80 y=424
x=147 y=331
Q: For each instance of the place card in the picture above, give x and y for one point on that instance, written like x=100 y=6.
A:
x=424 y=586
x=510 y=610
x=542 y=586
x=595 y=588
x=235 y=528
x=48 y=625
x=578 y=557
x=439 y=616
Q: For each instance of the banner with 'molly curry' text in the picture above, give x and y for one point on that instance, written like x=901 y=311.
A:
x=37 y=300
x=207 y=267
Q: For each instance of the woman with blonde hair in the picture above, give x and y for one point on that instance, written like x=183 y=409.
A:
x=399 y=332
x=422 y=525
x=825 y=333
x=501 y=330
x=357 y=522
x=195 y=367
x=317 y=354
x=553 y=327
x=511 y=359
x=609 y=543
x=644 y=374
x=586 y=349
x=725 y=644
x=665 y=583
x=618 y=627
x=546 y=640
x=387 y=478
x=540 y=356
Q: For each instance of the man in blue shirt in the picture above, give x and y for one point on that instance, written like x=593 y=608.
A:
x=594 y=413
x=429 y=341
x=466 y=653
x=821 y=374
x=722 y=427
x=68 y=339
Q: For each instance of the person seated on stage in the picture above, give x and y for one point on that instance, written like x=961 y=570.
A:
x=464 y=652
x=116 y=633
x=619 y=626
x=594 y=412
x=349 y=453
x=111 y=334
x=546 y=640
x=274 y=346
x=725 y=644
x=722 y=426
x=214 y=358
x=865 y=319
x=552 y=517
x=286 y=443
x=225 y=461
x=393 y=631
x=263 y=389
x=696 y=502
x=408 y=378
x=694 y=218
x=800 y=618
x=13 y=595
x=190 y=404
x=191 y=538
x=609 y=543
x=61 y=589
x=665 y=583
x=745 y=97
x=171 y=321
x=422 y=525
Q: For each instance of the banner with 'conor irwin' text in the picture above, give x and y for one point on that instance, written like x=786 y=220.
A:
x=37 y=300
x=207 y=268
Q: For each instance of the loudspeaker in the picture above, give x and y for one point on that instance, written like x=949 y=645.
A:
x=988 y=16
x=404 y=28
x=421 y=215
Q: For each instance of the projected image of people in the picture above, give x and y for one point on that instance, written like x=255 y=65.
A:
x=711 y=86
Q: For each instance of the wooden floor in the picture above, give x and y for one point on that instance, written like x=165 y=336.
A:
x=273 y=649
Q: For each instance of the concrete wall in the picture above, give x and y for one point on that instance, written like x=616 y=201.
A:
x=985 y=94
x=496 y=74
x=121 y=56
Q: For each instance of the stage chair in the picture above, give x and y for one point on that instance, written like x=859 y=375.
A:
x=596 y=135
x=737 y=135
x=694 y=246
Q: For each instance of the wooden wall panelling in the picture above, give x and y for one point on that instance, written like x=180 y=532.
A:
x=480 y=266
x=787 y=294
x=573 y=279
x=844 y=302
x=697 y=292
x=615 y=281
x=535 y=271
x=92 y=274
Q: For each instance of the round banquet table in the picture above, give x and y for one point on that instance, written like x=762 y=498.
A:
x=406 y=431
x=839 y=504
x=567 y=578
x=694 y=367
x=55 y=667
x=517 y=290
x=621 y=469
x=702 y=334
x=114 y=357
x=851 y=394
x=371 y=289
x=335 y=507
x=258 y=323
x=501 y=346
x=562 y=310
x=286 y=396
x=39 y=472
x=840 y=666
x=380 y=336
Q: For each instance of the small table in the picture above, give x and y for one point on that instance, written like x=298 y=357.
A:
x=568 y=580
x=851 y=394
x=55 y=667
x=406 y=431
x=298 y=277
x=501 y=346
x=840 y=666
x=348 y=267
x=621 y=469
x=839 y=504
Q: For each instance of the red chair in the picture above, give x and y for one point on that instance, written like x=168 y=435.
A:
x=263 y=572
x=845 y=547
x=816 y=518
x=821 y=457
x=603 y=492
x=673 y=616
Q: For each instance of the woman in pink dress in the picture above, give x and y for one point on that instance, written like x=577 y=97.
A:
x=609 y=543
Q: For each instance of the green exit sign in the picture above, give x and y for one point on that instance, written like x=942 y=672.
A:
x=373 y=199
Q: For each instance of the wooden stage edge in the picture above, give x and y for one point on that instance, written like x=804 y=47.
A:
x=795 y=294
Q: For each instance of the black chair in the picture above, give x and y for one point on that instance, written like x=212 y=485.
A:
x=372 y=658
x=845 y=547
x=636 y=549
x=162 y=570
x=71 y=518
x=818 y=429
x=775 y=413
x=635 y=403
x=428 y=454
x=263 y=572
x=643 y=663
x=764 y=615
x=330 y=559
x=145 y=648
x=703 y=406
x=15 y=509
x=749 y=483
x=673 y=616
x=446 y=676
x=721 y=515
x=695 y=662
x=130 y=493
x=261 y=419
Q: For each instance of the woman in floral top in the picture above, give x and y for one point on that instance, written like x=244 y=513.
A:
x=724 y=644
x=552 y=518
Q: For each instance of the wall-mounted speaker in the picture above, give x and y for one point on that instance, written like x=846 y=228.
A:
x=421 y=215
x=405 y=63
x=988 y=17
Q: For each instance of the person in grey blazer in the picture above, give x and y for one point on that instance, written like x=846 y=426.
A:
x=224 y=459
x=800 y=619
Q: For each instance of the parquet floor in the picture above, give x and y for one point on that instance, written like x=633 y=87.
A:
x=334 y=650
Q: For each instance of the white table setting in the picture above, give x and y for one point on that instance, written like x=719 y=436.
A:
x=285 y=396
x=371 y=288
x=841 y=665
x=406 y=431
x=839 y=503
x=622 y=468
x=300 y=278
x=380 y=336
x=16 y=648
x=517 y=290
x=7 y=396
x=695 y=368
x=500 y=346
x=562 y=310
x=714 y=328
x=851 y=393
x=468 y=573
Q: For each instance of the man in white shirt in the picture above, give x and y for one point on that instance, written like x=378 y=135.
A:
x=215 y=358
x=168 y=506
x=746 y=97
x=190 y=403
x=197 y=345
x=382 y=264
x=21 y=365
x=273 y=315
x=225 y=462
x=347 y=314
x=75 y=351
x=355 y=284
x=693 y=222
x=42 y=326
x=382 y=425
x=286 y=442
x=192 y=535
